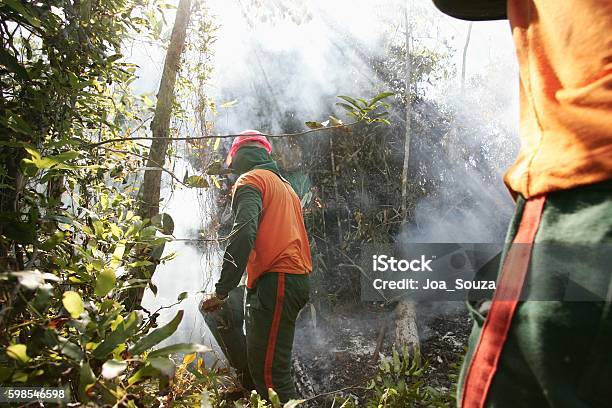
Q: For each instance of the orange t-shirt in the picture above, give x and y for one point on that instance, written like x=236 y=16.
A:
x=281 y=244
x=564 y=49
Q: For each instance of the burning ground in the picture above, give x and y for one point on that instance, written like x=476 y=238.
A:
x=341 y=356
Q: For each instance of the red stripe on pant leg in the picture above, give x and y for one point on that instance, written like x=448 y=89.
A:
x=273 y=335
x=497 y=324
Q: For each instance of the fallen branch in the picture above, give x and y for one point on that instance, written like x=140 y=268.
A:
x=380 y=340
x=350 y=387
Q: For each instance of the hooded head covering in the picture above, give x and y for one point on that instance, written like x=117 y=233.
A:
x=247 y=136
x=251 y=150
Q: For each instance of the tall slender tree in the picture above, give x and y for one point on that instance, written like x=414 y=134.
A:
x=406 y=331
x=149 y=204
x=160 y=127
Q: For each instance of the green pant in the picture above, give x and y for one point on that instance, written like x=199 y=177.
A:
x=557 y=353
x=272 y=307
x=226 y=326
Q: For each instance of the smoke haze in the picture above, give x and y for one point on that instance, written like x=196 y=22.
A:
x=290 y=56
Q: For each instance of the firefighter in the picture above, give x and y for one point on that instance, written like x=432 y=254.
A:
x=534 y=348
x=269 y=239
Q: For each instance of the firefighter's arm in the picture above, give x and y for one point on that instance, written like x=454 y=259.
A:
x=246 y=207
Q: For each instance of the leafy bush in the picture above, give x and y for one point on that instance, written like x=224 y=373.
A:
x=400 y=383
x=71 y=245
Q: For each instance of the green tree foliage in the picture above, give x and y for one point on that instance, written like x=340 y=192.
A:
x=68 y=231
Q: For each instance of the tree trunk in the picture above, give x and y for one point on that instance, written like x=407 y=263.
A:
x=151 y=185
x=335 y=181
x=406 y=332
x=149 y=206
x=408 y=75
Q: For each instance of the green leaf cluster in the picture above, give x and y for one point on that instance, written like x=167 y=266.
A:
x=400 y=382
x=72 y=244
x=363 y=111
x=372 y=111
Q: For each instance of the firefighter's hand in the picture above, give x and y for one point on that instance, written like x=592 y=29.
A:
x=211 y=303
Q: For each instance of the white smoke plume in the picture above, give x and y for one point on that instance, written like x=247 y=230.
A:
x=300 y=55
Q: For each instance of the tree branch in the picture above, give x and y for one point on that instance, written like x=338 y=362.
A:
x=98 y=144
x=157 y=165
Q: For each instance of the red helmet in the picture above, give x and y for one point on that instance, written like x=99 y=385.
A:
x=252 y=136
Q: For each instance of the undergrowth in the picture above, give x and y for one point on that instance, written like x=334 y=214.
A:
x=400 y=381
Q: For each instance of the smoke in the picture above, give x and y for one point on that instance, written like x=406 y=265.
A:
x=271 y=64
x=288 y=58
x=285 y=61
x=471 y=203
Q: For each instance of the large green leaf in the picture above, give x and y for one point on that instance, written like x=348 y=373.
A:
x=163 y=364
x=69 y=349
x=157 y=335
x=73 y=303
x=118 y=253
x=105 y=282
x=12 y=64
x=380 y=97
x=86 y=380
x=347 y=107
x=180 y=348
x=65 y=156
x=124 y=331
x=350 y=100
x=147 y=371
x=164 y=222
x=57 y=161
x=18 y=352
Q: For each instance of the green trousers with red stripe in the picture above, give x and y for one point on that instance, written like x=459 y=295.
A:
x=552 y=352
x=272 y=307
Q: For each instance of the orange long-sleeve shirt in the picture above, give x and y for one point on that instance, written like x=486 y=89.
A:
x=282 y=243
x=564 y=48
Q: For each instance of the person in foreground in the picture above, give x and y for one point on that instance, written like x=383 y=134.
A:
x=536 y=348
x=269 y=239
